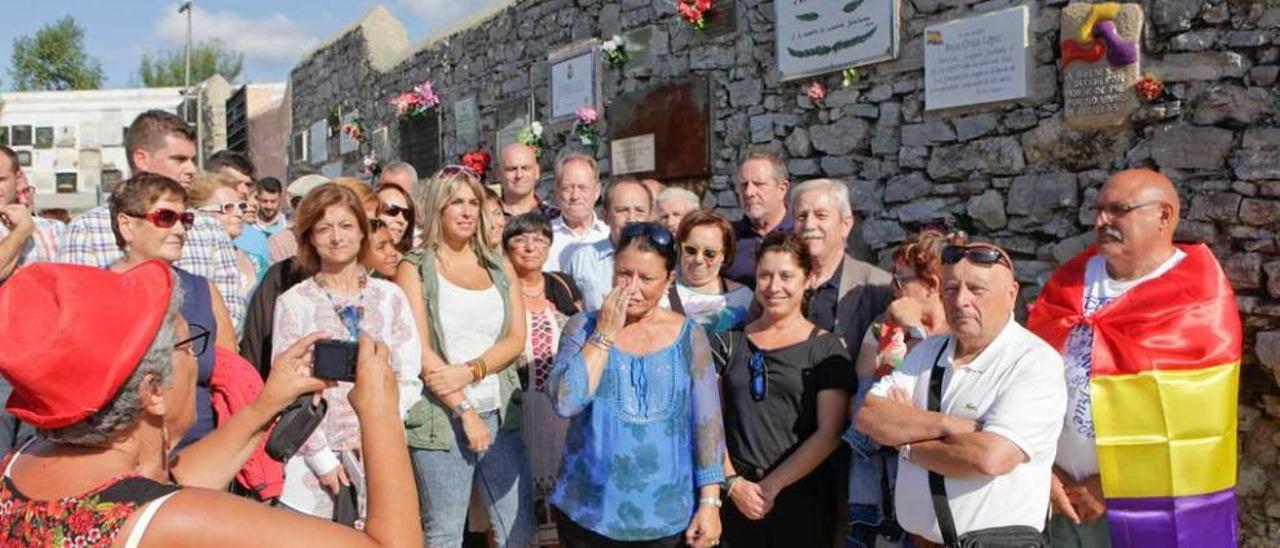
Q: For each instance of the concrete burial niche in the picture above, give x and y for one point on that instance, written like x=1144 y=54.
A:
x=1101 y=61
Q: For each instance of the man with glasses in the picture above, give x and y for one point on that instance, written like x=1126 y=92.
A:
x=848 y=294
x=975 y=414
x=160 y=142
x=1147 y=455
x=591 y=266
x=762 y=195
x=577 y=188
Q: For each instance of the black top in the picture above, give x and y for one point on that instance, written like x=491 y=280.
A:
x=255 y=344
x=743 y=269
x=760 y=435
x=825 y=300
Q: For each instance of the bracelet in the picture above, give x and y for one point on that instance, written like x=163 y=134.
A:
x=476 y=374
x=710 y=501
x=601 y=341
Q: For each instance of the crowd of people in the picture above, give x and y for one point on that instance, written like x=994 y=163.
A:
x=646 y=374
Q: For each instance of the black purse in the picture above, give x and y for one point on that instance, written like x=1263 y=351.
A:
x=295 y=425
x=1013 y=536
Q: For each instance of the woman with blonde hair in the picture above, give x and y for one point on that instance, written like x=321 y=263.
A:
x=215 y=195
x=470 y=316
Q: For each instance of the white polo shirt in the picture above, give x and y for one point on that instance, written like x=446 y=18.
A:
x=564 y=241
x=1014 y=389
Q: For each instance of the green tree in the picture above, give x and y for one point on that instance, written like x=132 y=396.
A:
x=167 y=68
x=54 y=59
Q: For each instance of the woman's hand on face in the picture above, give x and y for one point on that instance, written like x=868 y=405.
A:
x=905 y=311
x=478 y=435
x=704 y=529
x=613 y=311
x=448 y=379
x=291 y=374
x=375 y=389
x=334 y=479
x=750 y=500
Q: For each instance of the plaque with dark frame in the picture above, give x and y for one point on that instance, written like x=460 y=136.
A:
x=21 y=136
x=512 y=116
x=421 y=142
x=682 y=134
x=567 y=89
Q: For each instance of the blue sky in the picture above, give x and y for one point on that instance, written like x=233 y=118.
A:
x=272 y=34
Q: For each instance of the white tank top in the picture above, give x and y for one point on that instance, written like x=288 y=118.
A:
x=470 y=323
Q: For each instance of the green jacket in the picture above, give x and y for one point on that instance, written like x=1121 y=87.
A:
x=429 y=424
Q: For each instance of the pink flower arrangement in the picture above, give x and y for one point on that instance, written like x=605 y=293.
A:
x=816 y=92
x=584 y=127
x=587 y=115
x=417 y=102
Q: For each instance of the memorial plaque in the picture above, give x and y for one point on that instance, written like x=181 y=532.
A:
x=346 y=144
x=723 y=20
x=575 y=79
x=977 y=60
x=681 y=135
x=1101 y=57
x=420 y=142
x=298 y=147
x=512 y=117
x=66 y=137
x=643 y=49
x=44 y=137
x=466 y=122
x=381 y=142
x=632 y=155
x=21 y=136
x=318 y=142
x=817 y=37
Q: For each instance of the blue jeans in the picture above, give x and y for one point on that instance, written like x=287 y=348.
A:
x=444 y=488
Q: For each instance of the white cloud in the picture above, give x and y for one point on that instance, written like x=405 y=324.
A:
x=270 y=38
x=441 y=13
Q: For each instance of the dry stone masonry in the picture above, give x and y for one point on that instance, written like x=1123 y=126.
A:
x=1015 y=172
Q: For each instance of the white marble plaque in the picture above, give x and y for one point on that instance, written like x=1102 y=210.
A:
x=814 y=36
x=318 y=142
x=466 y=121
x=574 y=80
x=976 y=60
x=633 y=155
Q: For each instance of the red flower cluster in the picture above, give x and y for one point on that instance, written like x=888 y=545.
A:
x=694 y=11
x=478 y=161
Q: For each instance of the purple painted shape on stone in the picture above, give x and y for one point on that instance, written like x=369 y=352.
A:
x=1200 y=521
x=1120 y=52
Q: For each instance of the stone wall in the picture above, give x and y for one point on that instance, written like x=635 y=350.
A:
x=1011 y=172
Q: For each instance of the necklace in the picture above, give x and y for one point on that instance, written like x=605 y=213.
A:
x=350 y=315
x=540 y=292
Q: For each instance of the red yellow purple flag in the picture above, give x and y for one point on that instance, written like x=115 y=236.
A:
x=1164 y=384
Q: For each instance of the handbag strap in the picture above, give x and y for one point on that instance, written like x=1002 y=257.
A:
x=938 y=483
x=673 y=298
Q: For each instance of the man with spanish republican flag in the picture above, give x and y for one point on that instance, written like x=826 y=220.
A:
x=1151 y=339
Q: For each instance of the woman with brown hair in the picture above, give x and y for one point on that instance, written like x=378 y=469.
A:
x=397 y=211
x=470 y=316
x=340 y=299
x=701 y=292
x=786 y=393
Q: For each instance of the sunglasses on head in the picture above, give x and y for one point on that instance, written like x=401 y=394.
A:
x=657 y=234
x=166 y=218
x=759 y=387
x=392 y=210
x=693 y=251
x=455 y=169
x=983 y=254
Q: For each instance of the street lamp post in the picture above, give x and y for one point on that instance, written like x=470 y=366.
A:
x=186 y=89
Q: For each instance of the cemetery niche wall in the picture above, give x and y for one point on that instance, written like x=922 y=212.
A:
x=1018 y=171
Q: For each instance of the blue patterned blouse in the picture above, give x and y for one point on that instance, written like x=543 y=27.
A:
x=640 y=447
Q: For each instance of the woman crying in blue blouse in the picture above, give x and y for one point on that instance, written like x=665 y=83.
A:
x=644 y=453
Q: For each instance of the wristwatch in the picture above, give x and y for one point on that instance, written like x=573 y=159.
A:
x=710 y=501
x=462 y=407
x=915 y=332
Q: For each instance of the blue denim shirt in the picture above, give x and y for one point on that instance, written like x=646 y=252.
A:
x=641 y=445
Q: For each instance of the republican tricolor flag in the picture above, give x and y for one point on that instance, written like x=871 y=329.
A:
x=1166 y=373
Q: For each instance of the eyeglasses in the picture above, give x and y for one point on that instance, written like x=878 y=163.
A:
x=455 y=169
x=530 y=240
x=166 y=218
x=227 y=208
x=194 y=345
x=376 y=225
x=393 y=210
x=759 y=386
x=900 y=281
x=983 y=254
x=1116 y=210
x=706 y=252
x=657 y=234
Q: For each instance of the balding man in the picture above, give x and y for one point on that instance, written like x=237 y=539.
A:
x=520 y=172
x=577 y=189
x=975 y=414
x=1151 y=339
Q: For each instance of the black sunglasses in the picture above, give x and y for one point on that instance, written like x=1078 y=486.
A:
x=195 y=344
x=983 y=254
x=395 y=211
x=759 y=386
x=657 y=234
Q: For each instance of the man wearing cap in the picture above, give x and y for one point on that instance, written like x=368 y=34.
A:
x=284 y=244
x=975 y=414
x=1151 y=338
x=160 y=142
